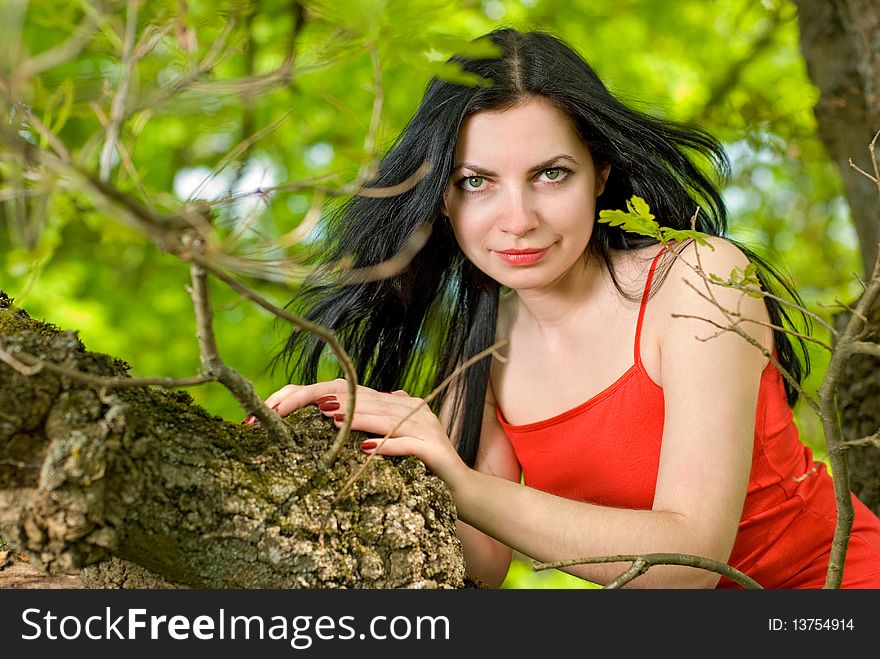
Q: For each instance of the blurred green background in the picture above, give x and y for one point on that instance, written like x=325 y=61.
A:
x=732 y=66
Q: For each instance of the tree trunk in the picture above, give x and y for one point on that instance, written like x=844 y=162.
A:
x=858 y=400
x=140 y=474
x=840 y=40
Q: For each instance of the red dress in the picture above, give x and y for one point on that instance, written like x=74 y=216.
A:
x=607 y=451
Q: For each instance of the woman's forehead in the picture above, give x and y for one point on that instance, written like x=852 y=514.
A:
x=535 y=129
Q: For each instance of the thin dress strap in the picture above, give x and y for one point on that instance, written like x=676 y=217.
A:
x=637 y=355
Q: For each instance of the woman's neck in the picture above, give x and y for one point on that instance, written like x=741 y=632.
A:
x=562 y=302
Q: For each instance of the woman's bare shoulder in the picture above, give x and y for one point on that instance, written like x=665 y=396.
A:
x=682 y=264
x=697 y=286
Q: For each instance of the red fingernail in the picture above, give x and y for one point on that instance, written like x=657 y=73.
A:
x=275 y=406
x=325 y=399
x=329 y=406
x=339 y=417
x=248 y=420
x=368 y=444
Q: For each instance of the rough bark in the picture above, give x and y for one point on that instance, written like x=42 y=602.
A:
x=146 y=477
x=840 y=41
x=858 y=400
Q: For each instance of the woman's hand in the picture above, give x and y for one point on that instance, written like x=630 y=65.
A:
x=411 y=426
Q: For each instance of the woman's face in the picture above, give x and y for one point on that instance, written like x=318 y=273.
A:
x=522 y=195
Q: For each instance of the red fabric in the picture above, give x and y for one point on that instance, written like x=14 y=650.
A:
x=607 y=451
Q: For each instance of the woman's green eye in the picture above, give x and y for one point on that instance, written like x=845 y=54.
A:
x=474 y=181
x=552 y=174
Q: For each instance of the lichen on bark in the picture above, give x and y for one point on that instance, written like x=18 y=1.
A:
x=143 y=475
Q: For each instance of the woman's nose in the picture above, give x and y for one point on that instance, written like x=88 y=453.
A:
x=518 y=215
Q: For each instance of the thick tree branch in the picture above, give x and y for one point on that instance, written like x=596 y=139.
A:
x=146 y=476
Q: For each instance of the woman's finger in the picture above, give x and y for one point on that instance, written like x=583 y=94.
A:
x=384 y=424
x=292 y=396
x=370 y=401
x=395 y=446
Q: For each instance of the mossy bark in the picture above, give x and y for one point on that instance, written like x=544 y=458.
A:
x=858 y=398
x=143 y=475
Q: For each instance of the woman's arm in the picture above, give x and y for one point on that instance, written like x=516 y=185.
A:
x=488 y=559
x=710 y=388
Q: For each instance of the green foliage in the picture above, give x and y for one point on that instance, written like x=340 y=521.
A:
x=211 y=105
x=638 y=219
x=521 y=575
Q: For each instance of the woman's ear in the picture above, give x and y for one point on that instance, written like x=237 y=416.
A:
x=602 y=178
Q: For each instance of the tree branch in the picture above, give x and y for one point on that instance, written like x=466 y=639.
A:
x=117 y=107
x=28 y=364
x=642 y=563
x=831 y=425
x=238 y=385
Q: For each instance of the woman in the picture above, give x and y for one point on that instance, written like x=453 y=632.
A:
x=633 y=433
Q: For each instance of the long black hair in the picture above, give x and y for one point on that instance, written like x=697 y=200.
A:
x=443 y=306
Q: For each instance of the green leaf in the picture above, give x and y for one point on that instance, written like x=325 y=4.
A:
x=453 y=73
x=64 y=98
x=630 y=222
x=640 y=207
x=483 y=48
x=747 y=277
x=669 y=234
x=636 y=219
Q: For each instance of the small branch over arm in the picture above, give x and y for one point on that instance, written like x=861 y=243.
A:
x=642 y=563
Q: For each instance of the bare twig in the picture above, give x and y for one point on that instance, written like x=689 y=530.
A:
x=117 y=106
x=491 y=350
x=212 y=57
x=324 y=334
x=199 y=293
x=29 y=365
x=368 y=167
x=872 y=149
x=733 y=325
x=831 y=426
x=60 y=54
x=241 y=148
x=865 y=348
x=238 y=385
x=781 y=300
x=125 y=157
x=869 y=440
x=825 y=408
x=761 y=323
x=862 y=171
x=643 y=562
x=290 y=271
x=44 y=131
x=397 y=263
x=352 y=189
x=24 y=369
x=307 y=224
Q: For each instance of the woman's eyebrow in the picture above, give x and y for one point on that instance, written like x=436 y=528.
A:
x=547 y=164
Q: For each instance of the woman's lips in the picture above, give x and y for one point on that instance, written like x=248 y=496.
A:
x=522 y=256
